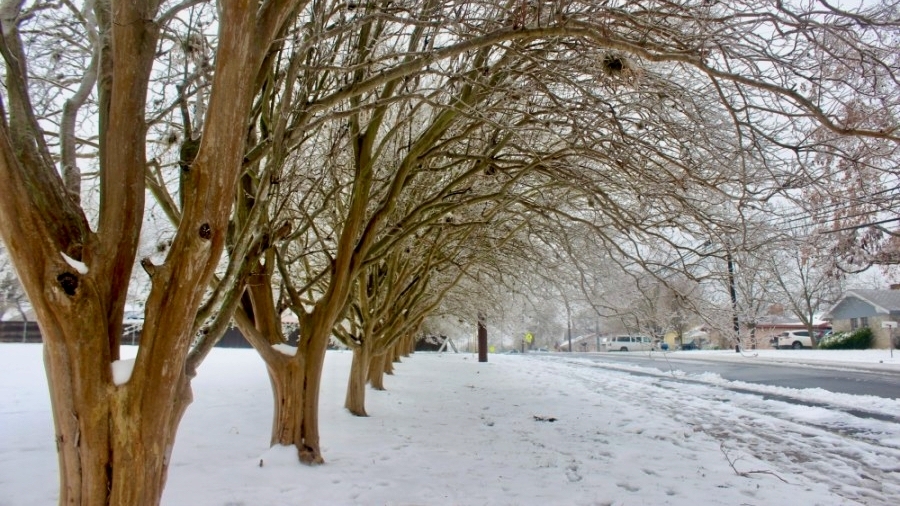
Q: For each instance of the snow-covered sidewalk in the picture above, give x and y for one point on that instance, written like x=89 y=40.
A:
x=519 y=430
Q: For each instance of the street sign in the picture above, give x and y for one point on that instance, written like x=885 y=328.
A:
x=892 y=326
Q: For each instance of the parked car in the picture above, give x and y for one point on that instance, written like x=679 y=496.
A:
x=795 y=339
x=134 y=317
x=628 y=343
x=690 y=345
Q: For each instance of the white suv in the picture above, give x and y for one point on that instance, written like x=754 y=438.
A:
x=628 y=343
x=795 y=339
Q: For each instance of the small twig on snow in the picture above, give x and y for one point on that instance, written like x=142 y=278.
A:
x=746 y=474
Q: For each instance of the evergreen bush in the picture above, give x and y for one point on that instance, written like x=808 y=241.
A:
x=859 y=339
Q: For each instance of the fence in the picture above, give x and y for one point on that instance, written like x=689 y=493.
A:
x=28 y=332
x=19 y=332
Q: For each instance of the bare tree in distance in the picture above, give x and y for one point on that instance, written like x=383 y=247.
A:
x=800 y=270
x=12 y=295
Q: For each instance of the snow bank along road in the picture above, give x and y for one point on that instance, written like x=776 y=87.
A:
x=851 y=442
x=848 y=378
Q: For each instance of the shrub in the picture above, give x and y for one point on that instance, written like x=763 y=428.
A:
x=859 y=339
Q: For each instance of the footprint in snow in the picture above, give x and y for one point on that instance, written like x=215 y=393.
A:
x=629 y=487
x=572 y=473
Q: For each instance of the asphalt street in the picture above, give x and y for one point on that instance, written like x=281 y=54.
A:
x=839 y=380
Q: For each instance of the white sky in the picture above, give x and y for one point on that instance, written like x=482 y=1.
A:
x=451 y=431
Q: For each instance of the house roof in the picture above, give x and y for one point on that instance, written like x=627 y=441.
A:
x=14 y=315
x=884 y=301
x=576 y=339
x=788 y=322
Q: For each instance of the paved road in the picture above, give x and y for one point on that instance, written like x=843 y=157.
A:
x=881 y=384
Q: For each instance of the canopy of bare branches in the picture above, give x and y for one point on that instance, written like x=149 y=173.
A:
x=367 y=164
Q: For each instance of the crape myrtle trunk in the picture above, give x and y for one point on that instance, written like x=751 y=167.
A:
x=355 y=402
x=114 y=441
x=295 y=379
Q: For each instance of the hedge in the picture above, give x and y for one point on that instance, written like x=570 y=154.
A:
x=859 y=339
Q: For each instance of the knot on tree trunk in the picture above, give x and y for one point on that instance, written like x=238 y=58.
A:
x=68 y=282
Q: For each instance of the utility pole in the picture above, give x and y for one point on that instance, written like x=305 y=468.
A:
x=482 y=339
x=734 y=307
x=569 y=326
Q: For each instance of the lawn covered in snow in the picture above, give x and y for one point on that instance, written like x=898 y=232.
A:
x=519 y=430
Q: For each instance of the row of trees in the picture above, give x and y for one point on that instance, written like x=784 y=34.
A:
x=774 y=276
x=362 y=165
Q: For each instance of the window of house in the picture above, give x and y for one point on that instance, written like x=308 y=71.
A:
x=854 y=324
x=864 y=321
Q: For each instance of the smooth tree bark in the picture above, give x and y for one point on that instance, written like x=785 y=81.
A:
x=114 y=435
x=377 y=369
x=355 y=399
x=294 y=372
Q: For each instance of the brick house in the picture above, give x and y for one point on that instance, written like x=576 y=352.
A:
x=867 y=308
x=772 y=325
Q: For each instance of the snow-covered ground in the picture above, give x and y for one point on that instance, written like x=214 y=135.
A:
x=541 y=429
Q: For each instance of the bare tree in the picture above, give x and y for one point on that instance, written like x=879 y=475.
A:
x=115 y=434
x=409 y=134
x=801 y=271
x=643 y=117
x=12 y=295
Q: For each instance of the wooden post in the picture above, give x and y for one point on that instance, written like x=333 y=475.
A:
x=482 y=339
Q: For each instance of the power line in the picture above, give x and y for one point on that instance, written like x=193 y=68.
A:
x=854 y=227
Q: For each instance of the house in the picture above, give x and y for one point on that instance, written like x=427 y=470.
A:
x=867 y=308
x=699 y=336
x=769 y=326
x=586 y=342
